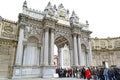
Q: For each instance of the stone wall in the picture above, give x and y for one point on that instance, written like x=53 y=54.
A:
x=106 y=49
x=8 y=44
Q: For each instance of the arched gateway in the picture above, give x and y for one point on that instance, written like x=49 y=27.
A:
x=39 y=31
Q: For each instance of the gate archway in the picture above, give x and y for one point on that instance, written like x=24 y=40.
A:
x=51 y=27
x=63 y=52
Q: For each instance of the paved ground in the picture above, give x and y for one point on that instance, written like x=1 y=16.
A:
x=45 y=79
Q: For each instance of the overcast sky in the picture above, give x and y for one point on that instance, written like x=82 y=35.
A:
x=102 y=15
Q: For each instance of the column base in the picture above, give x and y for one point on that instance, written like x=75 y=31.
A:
x=33 y=71
x=74 y=66
x=48 y=71
x=26 y=71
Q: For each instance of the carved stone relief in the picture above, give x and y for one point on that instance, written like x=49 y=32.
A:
x=65 y=32
x=62 y=12
x=49 y=10
x=9 y=30
x=33 y=31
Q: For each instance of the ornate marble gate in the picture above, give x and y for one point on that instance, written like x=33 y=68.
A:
x=39 y=31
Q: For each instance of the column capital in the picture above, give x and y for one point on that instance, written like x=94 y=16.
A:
x=22 y=26
x=89 y=39
x=52 y=30
x=46 y=29
x=74 y=34
x=79 y=35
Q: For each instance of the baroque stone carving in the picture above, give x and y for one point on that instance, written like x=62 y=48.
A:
x=62 y=12
x=74 y=18
x=9 y=30
x=60 y=31
x=32 y=31
x=49 y=10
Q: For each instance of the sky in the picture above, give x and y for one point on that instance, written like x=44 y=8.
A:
x=103 y=15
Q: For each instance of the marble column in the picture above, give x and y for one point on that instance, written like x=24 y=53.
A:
x=75 y=50
x=52 y=47
x=42 y=51
x=90 y=53
x=79 y=51
x=25 y=59
x=39 y=60
x=46 y=42
x=59 y=58
x=71 y=57
x=24 y=47
x=19 y=54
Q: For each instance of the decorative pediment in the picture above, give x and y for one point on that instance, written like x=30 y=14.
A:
x=62 y=12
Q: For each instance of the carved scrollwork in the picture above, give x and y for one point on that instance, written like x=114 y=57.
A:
x=32 y=30
x=26 y=32
x=33 y=39
x=67 y=36
x=8 y=30
x=62 y=12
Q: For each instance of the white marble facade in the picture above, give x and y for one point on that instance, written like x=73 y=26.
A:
x=38 y=33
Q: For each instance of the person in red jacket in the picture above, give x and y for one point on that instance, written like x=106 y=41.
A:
x=88 y=74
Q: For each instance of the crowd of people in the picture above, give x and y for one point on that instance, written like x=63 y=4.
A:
x=88 y=73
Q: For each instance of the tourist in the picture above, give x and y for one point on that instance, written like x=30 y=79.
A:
x=106 y=74
x=95 y=73
x=83 y=73
x=88 y=74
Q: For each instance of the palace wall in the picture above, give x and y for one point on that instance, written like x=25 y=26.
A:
x=8 y=45
x=106 y=50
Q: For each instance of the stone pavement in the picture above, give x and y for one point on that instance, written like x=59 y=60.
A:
x=46 y=79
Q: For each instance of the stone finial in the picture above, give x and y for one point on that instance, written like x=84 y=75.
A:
x=49 y=10
x=49 y=4
x=25 y=4
x=74 y=18
x=68 y=11
x=87 y=23
x=60 y=6
x=73 y=14
x=55 y=7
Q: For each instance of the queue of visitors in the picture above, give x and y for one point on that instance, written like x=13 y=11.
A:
x=88 y=73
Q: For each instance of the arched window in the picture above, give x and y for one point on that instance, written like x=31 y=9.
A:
x=109 y=44
x=117 y=44
x=31 y=52
x=103 y=44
